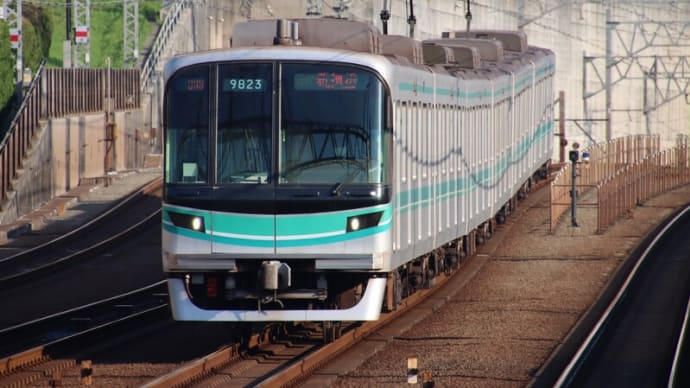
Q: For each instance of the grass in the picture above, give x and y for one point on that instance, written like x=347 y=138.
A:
x=107 y=31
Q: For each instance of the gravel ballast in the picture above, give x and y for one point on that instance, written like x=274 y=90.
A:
x=501 y=327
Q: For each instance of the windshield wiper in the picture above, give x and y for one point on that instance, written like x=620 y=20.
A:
x=338 y=188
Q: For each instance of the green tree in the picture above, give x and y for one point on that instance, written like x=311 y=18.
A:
x=7 y=65
x=43 y=25
x=31 y=47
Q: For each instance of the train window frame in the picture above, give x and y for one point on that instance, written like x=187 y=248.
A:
x=456 y=136
x=257 y=150
x=414 y=151
x=402 y=134
x=202 y=170
x=384 y=157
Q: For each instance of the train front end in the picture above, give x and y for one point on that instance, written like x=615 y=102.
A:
x=277 y=196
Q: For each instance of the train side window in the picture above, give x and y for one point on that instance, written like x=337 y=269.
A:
x=456 y=134
x=413 y=147
x=403 y=136
x=424 y=134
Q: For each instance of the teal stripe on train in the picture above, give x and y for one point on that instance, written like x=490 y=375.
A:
x=258 y=226
x=520 y=84
x=301 y=230
x=304 y=230
x=414 y=197
x=338 y=238
x=291 y=226
x=170 y=228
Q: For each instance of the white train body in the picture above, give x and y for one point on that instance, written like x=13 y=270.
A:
x=375 y=210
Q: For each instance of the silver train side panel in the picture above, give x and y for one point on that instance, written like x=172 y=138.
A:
x=462 y=148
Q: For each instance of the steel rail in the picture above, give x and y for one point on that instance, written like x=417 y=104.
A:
x=191 y=371
x=585 y=348
x=145 y=189
x=300 y=368
x=82 y=252
x=65 y=322
x=38 y=353
x=29 y=270
x=680 y=349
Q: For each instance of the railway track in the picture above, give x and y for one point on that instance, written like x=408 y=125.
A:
x=28 y=349
x=140 y=208
x=268 y=359
x=680 y=374
x=281 y=359
x=273 y=358
x=57 y=327
x=289 y=359
x=636 y=340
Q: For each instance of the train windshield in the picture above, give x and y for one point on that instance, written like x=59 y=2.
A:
x=332 y=125
x=220 y=125
x=187 y=127
x=245 y=109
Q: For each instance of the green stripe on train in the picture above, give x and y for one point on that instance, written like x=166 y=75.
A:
x=308 y=224
x=259 y=225
x=419 y=196
x=332 y=226
x=340 y=238
x=520 y=84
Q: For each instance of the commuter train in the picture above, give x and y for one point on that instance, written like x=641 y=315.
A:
x=318 y=170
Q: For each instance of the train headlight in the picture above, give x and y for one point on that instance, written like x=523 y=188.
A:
x=197 y=223
x=187 y=221
x=363 y=221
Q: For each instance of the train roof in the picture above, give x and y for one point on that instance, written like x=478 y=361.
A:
x=463 y=54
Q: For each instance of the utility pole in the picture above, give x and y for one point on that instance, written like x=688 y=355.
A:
x=609 y=64
x=67 y=43
x=131 y=39
x=637 y=51
x=573 y=155
x=341 y=7
x=12 y=13
x=468 y=16
x=314 y=8
x=82 y=41
x=385 y=16
x=411 y=19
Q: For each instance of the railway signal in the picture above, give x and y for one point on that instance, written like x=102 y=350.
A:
x=574 y=156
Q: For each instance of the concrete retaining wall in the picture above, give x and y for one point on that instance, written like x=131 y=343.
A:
x=68 y=150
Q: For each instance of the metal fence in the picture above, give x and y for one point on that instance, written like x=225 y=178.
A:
x=17 y=139
x=162 y=38
x=638 y=182
x=75 y=91
x=60 y=92
x=620 y=170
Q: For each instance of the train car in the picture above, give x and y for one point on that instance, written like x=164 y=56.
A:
x=318 y=170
